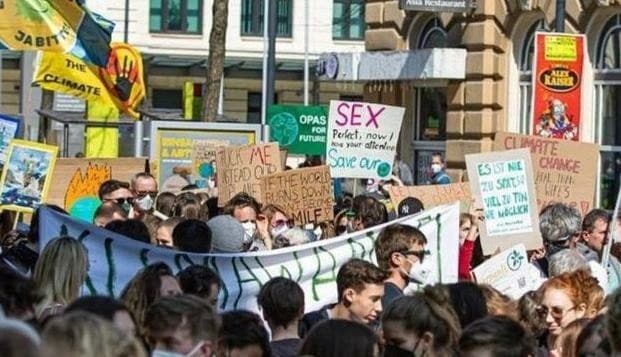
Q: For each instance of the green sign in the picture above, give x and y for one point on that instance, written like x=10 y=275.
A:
x=299 y=129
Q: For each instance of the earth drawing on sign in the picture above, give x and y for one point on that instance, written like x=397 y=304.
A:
x=284 y=128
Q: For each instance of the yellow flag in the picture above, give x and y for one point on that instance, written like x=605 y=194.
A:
x=102 y=142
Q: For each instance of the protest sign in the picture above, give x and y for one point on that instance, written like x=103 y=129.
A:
x=557 y=85
x=503 y=182
x=204 y=160
x=509 y=272
x=362 y=139
x=564 y=171
x=115 y=259
x=431 y=195
x=306 y=195
x=9 y=129
x=26 y=175
x=299 y=129
x=240 y=168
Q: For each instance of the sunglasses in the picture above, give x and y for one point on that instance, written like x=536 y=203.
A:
x=556 y=312
x=121 y=201
x=420 y=254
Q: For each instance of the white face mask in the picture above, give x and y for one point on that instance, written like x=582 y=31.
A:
x=250 y=228
x=435 y=168
x=163 y=353
x=276 y=231
x=418 y=274
x=145 y=203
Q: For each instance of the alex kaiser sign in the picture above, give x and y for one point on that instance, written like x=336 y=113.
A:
x=437 y=5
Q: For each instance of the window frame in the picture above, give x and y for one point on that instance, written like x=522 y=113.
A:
x=525 y=75
x=258 y=16
x=164 y=15
x=347 y=21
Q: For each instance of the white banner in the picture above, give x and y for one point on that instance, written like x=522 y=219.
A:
x=115 y=259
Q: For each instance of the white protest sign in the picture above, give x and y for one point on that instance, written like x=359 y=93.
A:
x=115 y=259
x=362 y=139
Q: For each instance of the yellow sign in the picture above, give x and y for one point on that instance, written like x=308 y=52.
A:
x=561 y=48
x=102 y=142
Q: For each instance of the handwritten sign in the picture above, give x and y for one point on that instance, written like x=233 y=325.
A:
x=565 y=171
x=362 y=139
x=503 y=182
x=299 y=129
x=431 y=195
x=306 y=195
x=240 y=168
x=204 y=160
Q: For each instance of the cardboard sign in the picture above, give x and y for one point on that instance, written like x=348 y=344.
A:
x=509 y=272
x=431 y=195
x=362 y=139
x=240 y=168
x=299 y=129
x=306 y=195
x=557 y=85
x=9 y=130
x=503 y=182
x=564 y=171
x=204 y=160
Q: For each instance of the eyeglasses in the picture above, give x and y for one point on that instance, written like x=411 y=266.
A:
x=420 y=254
x=141 y=194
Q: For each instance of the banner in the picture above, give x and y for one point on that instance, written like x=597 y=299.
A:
x=306 y=194
x=120 y=83
x=240 y=168
x=557 y=83
x=55 y=26
x=299 y=129
x=564 y=171
x=503 y=183
x=204 y=161
x=432 y=195
x=362 y=139
x=115 y=259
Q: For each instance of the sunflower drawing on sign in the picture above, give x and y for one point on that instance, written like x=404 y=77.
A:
x=123 y=77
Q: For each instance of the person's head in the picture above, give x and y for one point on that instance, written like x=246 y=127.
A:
x=243 y=207
x=422 y=323
x=192 y=236
x=532 y=314
x=565 y=344
x=228 y=235
x=18 y=339
x=566 y=299
x=242 y=334
x=560 y=227
x=117 y=191
x=343 y=221
x=61 y=270
x=595 y=229
x=107 y=308
x=499 y=304
x=613 y=320
x=187 y=205
x=468 y=301
x=131 y=228
x=466 y=220
x=201 y=281
x=400 y=249
x=594 y=339
x=144 y=188
x=282 y=302
x=164 y=232
x=437 y=162
x=410 y=205
x=83 y=334
x=276 y=218
x=496 y=336
x=337 y=338
x=164 y=203
x=596 y=302
x=18 y=294
x=360 y=287
x=148 y=285
x=567 y=261
x=184 y=324
x=107 y=212
x=369 y=212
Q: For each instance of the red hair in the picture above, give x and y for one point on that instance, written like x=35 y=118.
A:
x=578 y=285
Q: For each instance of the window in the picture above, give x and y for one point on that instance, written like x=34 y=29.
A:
x=348 y=20
x=254 y=108
x=433 y=35
x=167 y=98
x=527 y=57
x=181 y=16
x=253 y=14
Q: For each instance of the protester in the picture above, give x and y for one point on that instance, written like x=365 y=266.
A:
x=565 y=344
x=403 y=171
x=144 y=187
x=423 y=324
x=499 y=304
x=409 y=206
x=192 y=236
x=164 y=203
x=164 y=232
x=438 y=175
x=182 y=326
x=468 y=234
x=360 y=288
x=400 y=250
x=187 y=205
x=17 y=253
x=107 y=308
x=613 y=321
x=200 y=281
x=338 y=338
x=594 y=339
x=560 y=229
x=496 y=336
x=282 y=304
x=245 y=209
x=567 y=261
x=19 y=295
x=242 y=334
x=131 y=228
x=368 y=212
x=59 y=274
x=280 y=229
x=343 y=222
x=468 y=301
x=532 y=315
x=18 y=339
x=228 y=235
x=119 y=192
x=107 y=212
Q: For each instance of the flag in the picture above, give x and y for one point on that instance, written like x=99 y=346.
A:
x=57 y=26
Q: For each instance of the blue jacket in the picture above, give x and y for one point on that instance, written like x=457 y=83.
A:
x=441 y=178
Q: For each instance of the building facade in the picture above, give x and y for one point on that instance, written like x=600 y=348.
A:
x=460 y=116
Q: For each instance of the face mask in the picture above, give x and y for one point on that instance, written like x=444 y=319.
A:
x=418 y=274
x=276 y=231
x=435 y=168
x=163 y=353
x=249 y=228
x=145 y=203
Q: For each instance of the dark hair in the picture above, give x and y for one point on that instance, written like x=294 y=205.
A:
x=337 y=338
x=131 y=228
x=187 y=205
x=468 y=302
x=198 y=280
x=193 y=236
x=183 y=312
x=242 y=328
x=499 y=335
x=369 y=211
x=164 y=203
x=594 y=339
x=18 y=294
x=356 y=273
x=588 y=223
x=239 y=201
x=282 y=301
x=440 y=155
x=394 y=239
x=531 y=313
x=613 y=320
x=110 y=186
x=102 y=306
x=17 y=340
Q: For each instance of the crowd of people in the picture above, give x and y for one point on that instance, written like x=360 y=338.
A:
x=382 y=309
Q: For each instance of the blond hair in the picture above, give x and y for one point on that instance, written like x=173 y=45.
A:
x=60 y=272
x=83 y=334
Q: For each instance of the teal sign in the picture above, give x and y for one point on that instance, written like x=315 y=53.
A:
x=299 y=129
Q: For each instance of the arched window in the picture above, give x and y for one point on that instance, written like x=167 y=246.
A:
x=433 y=35
x=608 y=109
x=527 y=57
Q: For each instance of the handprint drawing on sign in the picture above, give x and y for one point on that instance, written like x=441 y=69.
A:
x=125 y=77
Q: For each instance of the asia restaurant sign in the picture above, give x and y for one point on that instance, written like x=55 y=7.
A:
x=437 y=5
